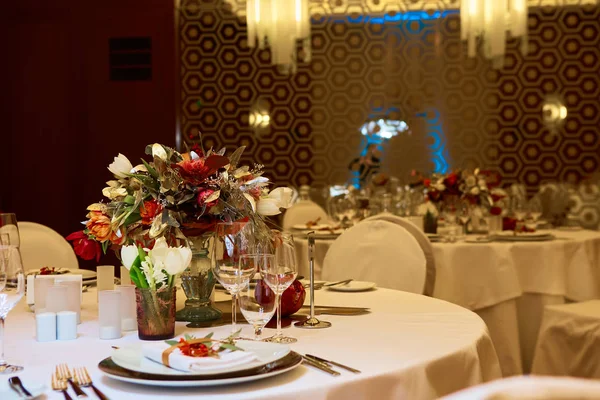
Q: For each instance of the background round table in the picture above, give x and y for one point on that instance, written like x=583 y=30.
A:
x=507 y=283
x=409 y=346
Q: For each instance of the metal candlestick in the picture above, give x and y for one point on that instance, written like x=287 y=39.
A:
x=312 y=322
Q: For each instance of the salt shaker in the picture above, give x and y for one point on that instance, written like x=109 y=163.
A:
x=45 y=326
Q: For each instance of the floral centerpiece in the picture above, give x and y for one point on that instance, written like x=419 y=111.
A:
x=155 y=210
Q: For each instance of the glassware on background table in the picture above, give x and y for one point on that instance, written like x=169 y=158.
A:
x=256 y=306
x=519 y=210
x=8 y=226
x=279 y=275
x=464 y=216
x=535 y=208
x=343 y=209
x=13 y=280
x=109 y=314
x=232 y=240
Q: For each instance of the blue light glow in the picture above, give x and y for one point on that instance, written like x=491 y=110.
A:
x=439 y=152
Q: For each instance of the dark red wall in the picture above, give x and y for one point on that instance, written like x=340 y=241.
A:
x=61 y=120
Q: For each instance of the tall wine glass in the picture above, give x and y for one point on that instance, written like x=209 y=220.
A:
x=279 y=275
x=233 y=239
x=256 y=304
x=13 y=289
x=464 y=216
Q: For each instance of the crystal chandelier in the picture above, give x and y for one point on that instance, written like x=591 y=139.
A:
x=280 y=24
x=489 y=20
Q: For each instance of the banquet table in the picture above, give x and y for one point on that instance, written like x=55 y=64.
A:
x=508 y=283
x=409 y=346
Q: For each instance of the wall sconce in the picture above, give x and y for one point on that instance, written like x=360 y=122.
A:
x=554 y=113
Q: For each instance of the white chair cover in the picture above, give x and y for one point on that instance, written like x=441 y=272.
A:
x=302 y=212
x=531 y=388
x=44 y=247
x=380 y=252
x=423 y=241
x=568 y=341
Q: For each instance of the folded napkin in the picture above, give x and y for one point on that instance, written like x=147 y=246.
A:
x=227 y=359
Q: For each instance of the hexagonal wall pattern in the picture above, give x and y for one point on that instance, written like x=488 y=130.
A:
x=365 y=62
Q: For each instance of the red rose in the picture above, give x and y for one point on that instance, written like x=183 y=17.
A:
x=427 y=182
x=451 y=179
x=495 y=210
x=204 y=194
x=149 y=210
x=197 y=171
x=85 y=247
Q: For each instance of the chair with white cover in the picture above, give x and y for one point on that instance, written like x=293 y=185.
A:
x=568 y=341
x=302 y=212
x=423 y=242
x=42 y=246
x=380 y=252
x=531 y=388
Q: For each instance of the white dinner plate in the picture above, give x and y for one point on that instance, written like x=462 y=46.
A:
x=570 y=228
x=85 y=273
x=353 y=286
x=130 y=357
x=304 y=227
x=508 y=236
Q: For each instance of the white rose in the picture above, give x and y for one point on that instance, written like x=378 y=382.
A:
x=120 y=167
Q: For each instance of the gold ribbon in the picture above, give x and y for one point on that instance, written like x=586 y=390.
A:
x=167 y=352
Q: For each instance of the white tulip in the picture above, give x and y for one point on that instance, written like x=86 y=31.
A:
x=283 y=195
x=159 y=151
x=172 y=259
x=121 y=166
x=128 y=255
x=267 y=207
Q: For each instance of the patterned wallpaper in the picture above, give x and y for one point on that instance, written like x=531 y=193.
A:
x=370 y=61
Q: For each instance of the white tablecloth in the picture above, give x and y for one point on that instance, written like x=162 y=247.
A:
x=509 y=283
x=410 y=347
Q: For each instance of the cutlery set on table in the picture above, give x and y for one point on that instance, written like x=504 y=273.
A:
x=61 y=379
x=326 y=365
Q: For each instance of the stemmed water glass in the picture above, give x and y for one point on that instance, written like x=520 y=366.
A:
x=464 y=216
x=279 y=275
x=256 y=304
x=232 y=240
x=519 y=211
x=12 y=289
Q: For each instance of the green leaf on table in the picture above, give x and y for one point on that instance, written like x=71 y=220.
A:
x=172 y=342
x=229 y=346
x=188 y=337
x=209 y=335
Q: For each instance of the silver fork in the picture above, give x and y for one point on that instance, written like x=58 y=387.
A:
x=63 y=372
x=82 y=377
x=60 y=385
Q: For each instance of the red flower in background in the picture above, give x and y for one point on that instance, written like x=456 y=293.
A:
x=85 y=247
x=495 y=210
x=204 y=194
x=149 y=210
x=197 y=171
x=427 y=182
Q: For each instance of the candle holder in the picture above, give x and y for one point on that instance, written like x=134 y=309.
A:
x=312 y=322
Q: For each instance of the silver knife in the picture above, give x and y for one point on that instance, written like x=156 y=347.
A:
x=319 y=365
x=328 y=362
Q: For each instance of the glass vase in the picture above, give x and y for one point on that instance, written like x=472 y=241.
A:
x=198 y=282
x=155 y=313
